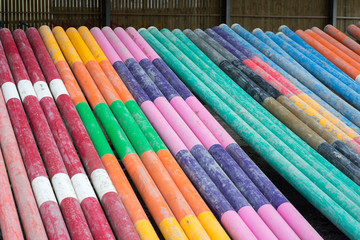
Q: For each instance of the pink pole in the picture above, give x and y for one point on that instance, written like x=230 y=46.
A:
x=9 y=220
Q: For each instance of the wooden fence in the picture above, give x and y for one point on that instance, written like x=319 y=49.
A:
x=268 y=15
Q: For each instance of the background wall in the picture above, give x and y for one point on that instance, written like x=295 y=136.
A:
x=268 y=15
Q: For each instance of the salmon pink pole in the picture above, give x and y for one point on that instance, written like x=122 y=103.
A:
x=9 y=220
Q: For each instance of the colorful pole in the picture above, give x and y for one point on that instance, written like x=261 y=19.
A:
x=166 y=185
x=142 y=179
x=24 y=197
x=44 y=195
x=112 y=166
x=256 y=175
x=264 y=93
x=182 y=119
x=222 y=208
x=93 y=212
x=9 y=220
x=197 y=204
x=277 y=160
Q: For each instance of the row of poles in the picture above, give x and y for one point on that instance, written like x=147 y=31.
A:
x=66 y=92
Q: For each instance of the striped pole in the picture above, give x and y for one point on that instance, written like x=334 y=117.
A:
x=44 y=195
x=274 y=70
x=93 y=212
x=112 y=166
x=353 y=31
x=301 y=226
x=270 y=213
x=303 y=76
x=207 y=188
x=137 y=171
x=336 y=43
x=9 y=220
x=351 y=66
x=258 y=87
x=165 y=184
x=197 y=204
x=273 y=157
x=204 y=140
x=24 y=197
x=64 y=191
x=341 y=37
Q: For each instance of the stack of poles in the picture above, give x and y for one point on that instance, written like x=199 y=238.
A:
x=174 y=198
x=9 y=220
x=167 y=33
x=62 y=184
x=256 y=141
x=321 y=146
x=295 y=94
x=96 y=218
x=289 y=48
x=188 y=137
x=205 y=186
x=248 y=166
x=197 y=204
x=331 y=81
x=265 y=94
x=43 y=191
x=303 y=47
x=139 y=174
x=218 y=48
x=297 y=71
x=31 y=222
x=104 y=151
x=232 y=169
x=91 y=207
x=300 y=92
